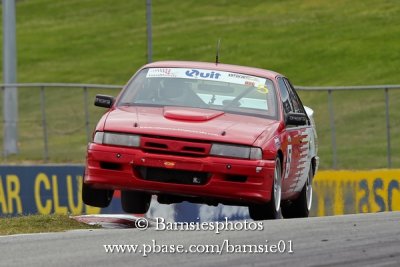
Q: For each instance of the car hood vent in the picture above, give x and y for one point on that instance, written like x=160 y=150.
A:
x=191 y=114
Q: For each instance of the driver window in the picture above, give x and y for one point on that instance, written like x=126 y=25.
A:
x=297 y=107
x=287 y=104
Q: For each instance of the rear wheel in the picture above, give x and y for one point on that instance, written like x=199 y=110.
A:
x=301 y=207
x=96 y=197
x=135 y=201
x=272 y=209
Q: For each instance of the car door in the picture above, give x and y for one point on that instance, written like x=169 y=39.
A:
x=295 y=141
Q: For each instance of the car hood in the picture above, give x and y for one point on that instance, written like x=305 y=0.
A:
x=189 y=123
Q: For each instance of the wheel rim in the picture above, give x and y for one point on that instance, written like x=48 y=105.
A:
x=277 y=187
x=309 y=191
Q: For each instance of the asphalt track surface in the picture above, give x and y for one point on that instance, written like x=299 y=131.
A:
x=350 y=240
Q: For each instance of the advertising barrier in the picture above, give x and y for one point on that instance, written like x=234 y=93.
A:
x=42 y=190
x=47 y=189
x=347 y=192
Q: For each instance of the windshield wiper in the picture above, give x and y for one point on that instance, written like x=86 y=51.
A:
x=126 y=104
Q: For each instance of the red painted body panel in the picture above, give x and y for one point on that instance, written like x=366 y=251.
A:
x=152 y=121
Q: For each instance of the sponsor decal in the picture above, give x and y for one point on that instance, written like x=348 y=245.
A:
x=202 y=74
x=160 y=72
x=210 y=75
x=243 y=77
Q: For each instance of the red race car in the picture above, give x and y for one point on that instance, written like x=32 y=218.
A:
x=204 y=133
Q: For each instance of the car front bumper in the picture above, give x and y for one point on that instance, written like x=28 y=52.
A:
x=226 y=179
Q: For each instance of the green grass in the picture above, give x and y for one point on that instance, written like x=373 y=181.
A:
x=314 y=43
x=40 y=224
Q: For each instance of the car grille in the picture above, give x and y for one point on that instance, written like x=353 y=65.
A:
x=173 y=176
x=175 y=146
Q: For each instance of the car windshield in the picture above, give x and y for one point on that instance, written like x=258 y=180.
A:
x=200 y=88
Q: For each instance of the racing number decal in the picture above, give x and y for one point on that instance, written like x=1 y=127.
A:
x=262 y=89
x=288 y=160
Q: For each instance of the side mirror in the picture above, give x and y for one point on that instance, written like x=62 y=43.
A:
x=296 y=119
x=104 y=101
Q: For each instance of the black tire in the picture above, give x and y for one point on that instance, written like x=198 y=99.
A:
x=272 y=209
x=135 y=201
x=96 y=197
x=300 y=207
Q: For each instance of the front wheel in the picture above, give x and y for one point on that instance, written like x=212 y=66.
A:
x=272 y=209
x=96 y=197
x=135 y=201
x=300 y=207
